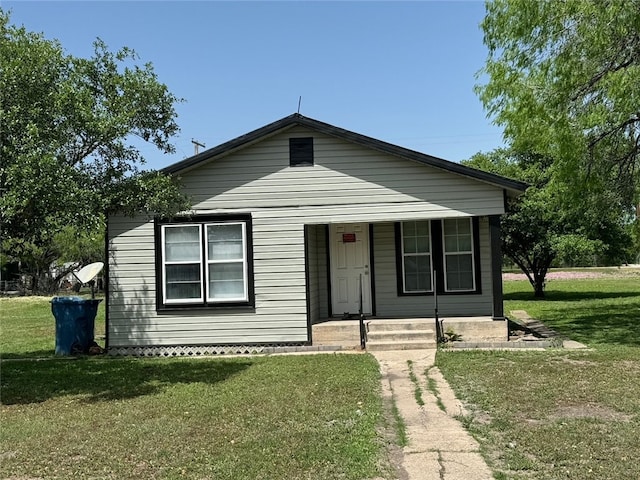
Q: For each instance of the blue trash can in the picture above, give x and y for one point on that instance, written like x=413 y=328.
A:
x=75 y=323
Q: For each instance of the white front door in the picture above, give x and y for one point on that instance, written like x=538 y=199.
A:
x=349 y=253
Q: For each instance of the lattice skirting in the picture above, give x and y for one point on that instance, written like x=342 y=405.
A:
x=206 y=350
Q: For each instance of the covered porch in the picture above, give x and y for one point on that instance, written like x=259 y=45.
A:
x=399 y=273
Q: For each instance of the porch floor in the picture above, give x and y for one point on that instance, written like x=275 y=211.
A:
x=346 y=333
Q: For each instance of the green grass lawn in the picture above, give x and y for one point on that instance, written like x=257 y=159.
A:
x=28 y=329
x=537 y=415
x=558 y=413
x=278 y=417
x=595 y=311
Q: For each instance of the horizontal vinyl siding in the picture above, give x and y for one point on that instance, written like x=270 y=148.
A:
x=389 y=303
x=347 y=183
x=279 y=281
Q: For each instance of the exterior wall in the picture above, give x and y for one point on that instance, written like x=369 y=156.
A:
x=390 y=304
x=279 y=279
x=348 y=183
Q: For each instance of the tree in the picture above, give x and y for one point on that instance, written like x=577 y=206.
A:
x=546 y=223
x=564 y=81
x=68 y=140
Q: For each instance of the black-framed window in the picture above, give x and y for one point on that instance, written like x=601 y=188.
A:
x=447 y=257
x=416 y=256
x=301 y=152
x=204 y=262
x=458 y=251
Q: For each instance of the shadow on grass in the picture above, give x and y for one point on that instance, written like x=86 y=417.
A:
x=558 y=296
x=35 y=381
x=36 y=354
x=614 y=325
x=591 y=317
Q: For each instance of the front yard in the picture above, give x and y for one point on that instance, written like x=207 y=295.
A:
x=537 y=415
x=296 y=417
x=259 y=418
x=560 y=414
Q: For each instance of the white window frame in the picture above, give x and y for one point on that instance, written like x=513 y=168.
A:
x=403 y=255
x=165 y=262
x=204 y=262
x=245 y=269
x=445 y=254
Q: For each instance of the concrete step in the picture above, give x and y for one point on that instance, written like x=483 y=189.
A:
x=376 y=346
x=396 y=325
x=346 y=334
x=401 y=336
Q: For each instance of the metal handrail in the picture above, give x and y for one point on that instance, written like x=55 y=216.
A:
x=439 y=332
x=363 y=330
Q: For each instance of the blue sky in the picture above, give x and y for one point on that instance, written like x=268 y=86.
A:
x=402 y=72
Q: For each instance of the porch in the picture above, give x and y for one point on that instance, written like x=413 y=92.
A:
x=406 y=333
x=402 y=270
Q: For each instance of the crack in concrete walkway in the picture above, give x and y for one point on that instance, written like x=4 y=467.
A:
x=439 y=448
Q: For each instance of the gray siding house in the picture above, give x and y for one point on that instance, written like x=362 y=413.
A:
x=289 y=224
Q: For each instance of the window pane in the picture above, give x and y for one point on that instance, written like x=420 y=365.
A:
x=422 y=244
x=410 y=245
x=226 y=281
x=450 y=244
x=225 y=242
x=464 y=226
x=410 y=265
x=410 y=282
x=182 y=244
x=422 y=229
x=409 y=228
x=464 y=243
x=450 y=227
x=183 y=281
x=417 y=273
x=457 y=235
x=459 y=272
x=415 y=237
x=424 y=272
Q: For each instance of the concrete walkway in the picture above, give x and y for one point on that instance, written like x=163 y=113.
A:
x=439 y=448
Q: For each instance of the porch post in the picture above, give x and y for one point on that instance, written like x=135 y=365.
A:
x=496 y=266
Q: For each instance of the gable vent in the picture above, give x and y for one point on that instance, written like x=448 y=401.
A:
x=301 y=152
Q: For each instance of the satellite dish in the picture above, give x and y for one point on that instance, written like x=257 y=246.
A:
x=88 y=272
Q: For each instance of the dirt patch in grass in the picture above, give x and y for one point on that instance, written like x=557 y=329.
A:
x=476 y=416
x=598 y=412
x=627 y=366
x=573 y=361
x=25 y=478
x=624 y=272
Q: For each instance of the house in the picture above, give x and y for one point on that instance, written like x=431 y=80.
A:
x=296 y=223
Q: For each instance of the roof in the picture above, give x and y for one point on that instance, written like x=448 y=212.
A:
x=379 y=145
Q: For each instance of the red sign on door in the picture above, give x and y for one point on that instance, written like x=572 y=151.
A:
x=348 y=237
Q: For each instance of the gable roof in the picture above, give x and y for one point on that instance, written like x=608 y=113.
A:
x=296 y=119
